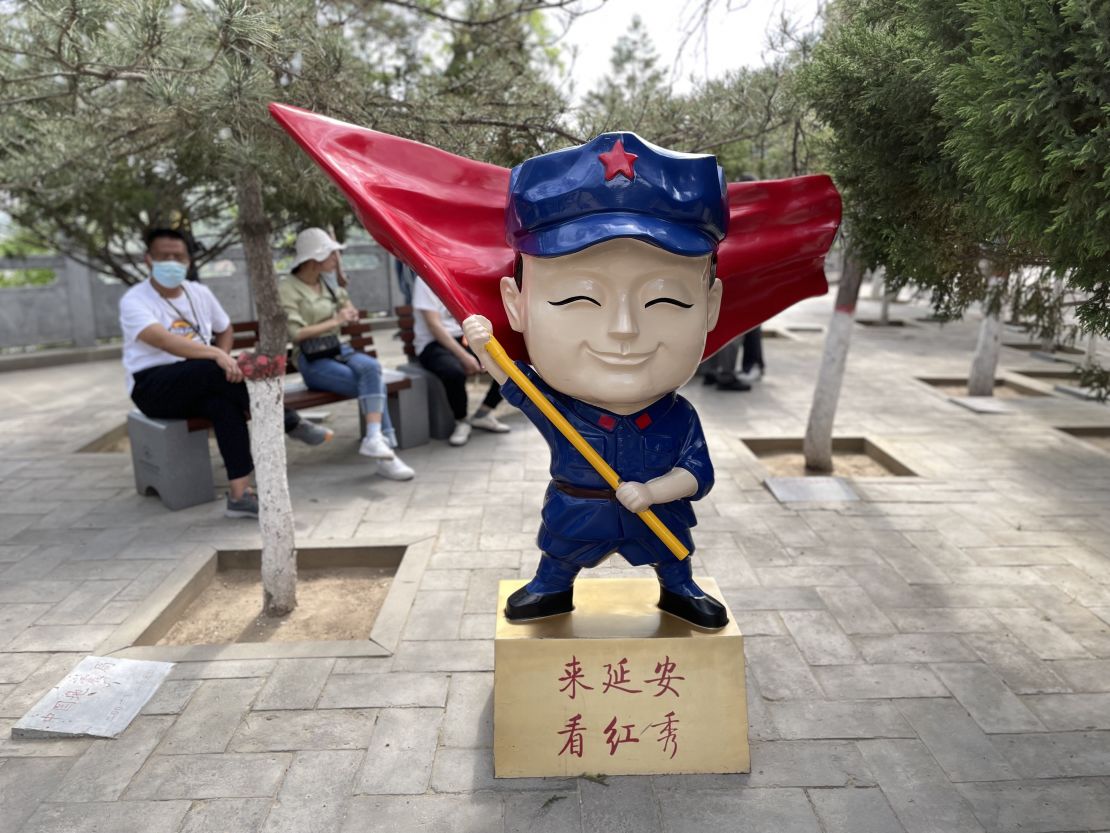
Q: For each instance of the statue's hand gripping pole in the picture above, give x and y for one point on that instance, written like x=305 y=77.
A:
x=501 y=358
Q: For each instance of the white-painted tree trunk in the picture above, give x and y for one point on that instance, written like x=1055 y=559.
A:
x=1092 y=348
x=884 y=310
x=826 y=396
x=878 y=282
x=817 y=445
x=275 y=517
x=984 y=363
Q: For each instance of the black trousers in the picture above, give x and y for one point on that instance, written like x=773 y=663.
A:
x=753 y=350
x=198 y=388
x=443 y=363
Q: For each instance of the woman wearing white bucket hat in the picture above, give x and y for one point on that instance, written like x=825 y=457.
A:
x=317 y=308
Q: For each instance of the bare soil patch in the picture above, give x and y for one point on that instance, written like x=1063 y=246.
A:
x=332 y=604
x=1001 y=391
x=793 y=464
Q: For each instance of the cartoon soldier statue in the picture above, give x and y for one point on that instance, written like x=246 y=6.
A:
x=602 y=268
x=615 y=244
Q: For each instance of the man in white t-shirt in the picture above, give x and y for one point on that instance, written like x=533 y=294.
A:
x=176 y=352
x=438 y=342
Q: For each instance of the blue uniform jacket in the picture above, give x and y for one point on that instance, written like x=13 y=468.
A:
x=639 y=447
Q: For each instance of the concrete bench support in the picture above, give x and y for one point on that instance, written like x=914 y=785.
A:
x=440 y=418
x=408 y=411
x=170 y=461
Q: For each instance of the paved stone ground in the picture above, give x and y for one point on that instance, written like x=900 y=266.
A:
x=935 y=657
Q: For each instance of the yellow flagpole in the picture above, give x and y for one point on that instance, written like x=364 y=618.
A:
x=498 y=354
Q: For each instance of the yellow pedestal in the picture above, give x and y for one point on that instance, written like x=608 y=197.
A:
x=617 y=688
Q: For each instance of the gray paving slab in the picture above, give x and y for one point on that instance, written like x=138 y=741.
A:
x=842 y=719
x=401 y=752
x=1039 y=806
x=1021 y=670
x=882 y=681
x=294 y=684
x=749 y=810
x=1056 y=754
x=226 y=815
x=799 y=763
x=986 y=698
x=957 y=743
x=314 y=795
x=474 y=813
x=819 y=638
x=103 y=772
x=468 y=720
x=782 y=672
x=354 y=691
x=231 y=775
x=922 y=797
x=280 y=731
x=147 y=816
x=549 y=811
x=852 y=810
x=211 y=718
x=620 y=805
x=1071 y=712
x=24 y=783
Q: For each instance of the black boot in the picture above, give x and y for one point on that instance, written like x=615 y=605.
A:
x=703 y=611
x=524 y=604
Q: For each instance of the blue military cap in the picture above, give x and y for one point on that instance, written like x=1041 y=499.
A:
x=617 y=185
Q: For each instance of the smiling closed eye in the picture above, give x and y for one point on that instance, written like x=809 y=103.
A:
x=674 y=301
x=573 y=298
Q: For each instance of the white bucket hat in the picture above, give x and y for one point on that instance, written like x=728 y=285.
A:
x=314 y=244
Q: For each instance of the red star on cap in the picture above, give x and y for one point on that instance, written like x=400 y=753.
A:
x=618 y=161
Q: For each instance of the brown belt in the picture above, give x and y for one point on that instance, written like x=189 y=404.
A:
x=578 y=491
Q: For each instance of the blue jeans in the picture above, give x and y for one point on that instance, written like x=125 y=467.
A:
x=351 y=374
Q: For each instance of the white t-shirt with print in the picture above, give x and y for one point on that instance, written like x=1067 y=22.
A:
x=424 y=299
x=142 y=306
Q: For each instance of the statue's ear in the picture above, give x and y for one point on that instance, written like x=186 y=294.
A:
x=513 y=300
x=714 y=309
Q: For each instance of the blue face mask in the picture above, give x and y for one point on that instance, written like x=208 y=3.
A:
x=169 y=273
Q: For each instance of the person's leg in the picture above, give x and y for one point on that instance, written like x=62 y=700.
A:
x=350 y=378
x=440 y=361
x=437 y=359
x=372 y=395
x=199 y=388
x=483 y=417
x=753 y=352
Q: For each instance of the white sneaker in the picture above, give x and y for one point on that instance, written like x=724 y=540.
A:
x=490 y=423
x=461 y=433
x=394 y=469
x=752 y=376
x=376 y=447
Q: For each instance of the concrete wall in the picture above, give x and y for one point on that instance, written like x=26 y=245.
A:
x=81 y=306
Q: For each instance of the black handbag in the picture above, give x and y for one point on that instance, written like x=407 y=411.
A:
x=322 y=347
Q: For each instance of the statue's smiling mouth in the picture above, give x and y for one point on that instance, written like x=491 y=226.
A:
x=628 y=359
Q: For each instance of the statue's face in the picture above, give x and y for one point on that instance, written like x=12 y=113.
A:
x=618 y=324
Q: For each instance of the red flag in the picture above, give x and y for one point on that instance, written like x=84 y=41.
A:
x=444 y=215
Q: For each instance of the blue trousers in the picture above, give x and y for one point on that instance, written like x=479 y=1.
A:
x=351 y=374
x=557 y=573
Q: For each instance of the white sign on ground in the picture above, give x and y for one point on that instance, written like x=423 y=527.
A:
x=99 y=698
x=983 y=404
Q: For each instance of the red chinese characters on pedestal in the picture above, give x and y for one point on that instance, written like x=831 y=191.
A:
x=668 y=734
x=572 y=676
x=574 y=731
x=611 y=735
x=665 y=670
x=619 y=676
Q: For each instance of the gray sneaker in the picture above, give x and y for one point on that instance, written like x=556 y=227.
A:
x=244 y=507
x=310 y=433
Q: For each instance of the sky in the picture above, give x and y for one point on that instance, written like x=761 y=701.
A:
x=735 y=36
